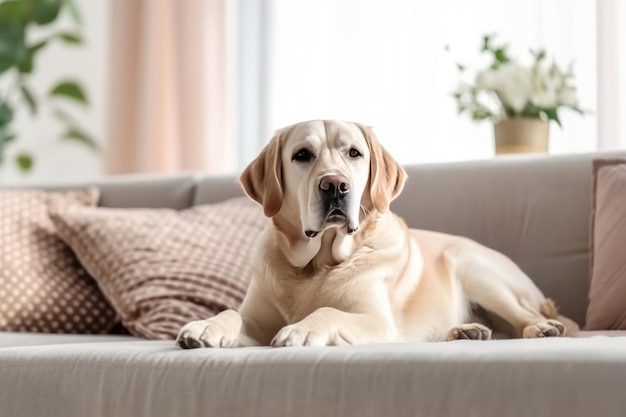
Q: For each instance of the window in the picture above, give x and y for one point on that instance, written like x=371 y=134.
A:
x=385 y=63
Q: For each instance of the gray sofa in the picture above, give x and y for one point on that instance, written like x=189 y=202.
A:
x=534 y=209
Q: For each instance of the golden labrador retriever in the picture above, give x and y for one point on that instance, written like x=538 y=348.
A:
x=338 y=268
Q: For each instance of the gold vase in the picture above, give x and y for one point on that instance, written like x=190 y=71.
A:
x=521 y=135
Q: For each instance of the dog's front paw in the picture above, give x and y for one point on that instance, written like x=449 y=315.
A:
x=301 y=335
x=219 y=331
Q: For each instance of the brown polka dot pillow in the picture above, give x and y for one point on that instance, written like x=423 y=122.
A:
x=161 y=268
x=43 y=288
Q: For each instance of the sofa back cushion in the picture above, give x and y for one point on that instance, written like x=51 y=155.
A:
x=211 y=190
x=132 y=191
x=534 y=209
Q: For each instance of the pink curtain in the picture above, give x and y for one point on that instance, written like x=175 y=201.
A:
x=170 y=103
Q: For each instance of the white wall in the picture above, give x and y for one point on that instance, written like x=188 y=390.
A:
x=56 y=158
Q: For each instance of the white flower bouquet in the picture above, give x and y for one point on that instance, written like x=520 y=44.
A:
x=507 y=89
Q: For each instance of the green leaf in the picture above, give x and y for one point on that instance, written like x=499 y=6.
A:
x=481 y=114
x=45 y=11
x=14 y=11
x=74 y=134
x=6 y=114
x=5 y=136
x=24 y=161
x=71 y=38
x=30 y=99
x=500 y=55
x=551 y=114
x=69 y=89
x=539 y=55
x=9 y=138
x=27 y=64
x=34 y=48
x=486 y=43
x=12 y=49
x=531 y=111
x=71 y=7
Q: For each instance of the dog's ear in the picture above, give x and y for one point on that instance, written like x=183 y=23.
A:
x=386 y=177
x=262 y=179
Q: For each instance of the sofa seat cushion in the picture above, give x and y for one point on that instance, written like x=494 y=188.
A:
x=601 y=333
x=541 y=377
x=12 y=339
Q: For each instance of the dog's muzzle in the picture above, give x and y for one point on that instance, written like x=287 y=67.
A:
x=335 y=196
x=334 y=189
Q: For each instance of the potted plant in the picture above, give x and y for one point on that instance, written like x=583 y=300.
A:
x=19 y=48
x=520 y=100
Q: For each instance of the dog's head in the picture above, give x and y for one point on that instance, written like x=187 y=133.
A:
x=325 y=174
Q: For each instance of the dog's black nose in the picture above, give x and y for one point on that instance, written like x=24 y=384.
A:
x=334 y=186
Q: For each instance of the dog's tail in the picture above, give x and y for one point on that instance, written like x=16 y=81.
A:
x=549 y=310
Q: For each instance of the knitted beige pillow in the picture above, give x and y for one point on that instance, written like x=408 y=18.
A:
x=161 y=268
x=43 y=288
x=607 y=292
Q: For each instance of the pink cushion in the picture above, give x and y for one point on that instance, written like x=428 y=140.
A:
x=607 y=293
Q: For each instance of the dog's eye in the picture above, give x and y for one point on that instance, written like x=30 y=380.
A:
x=303 y=155
x=354 y=153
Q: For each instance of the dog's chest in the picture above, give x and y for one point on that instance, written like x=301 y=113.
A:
x=296 y=294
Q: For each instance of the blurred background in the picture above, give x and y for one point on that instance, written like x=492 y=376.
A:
x=149 y=86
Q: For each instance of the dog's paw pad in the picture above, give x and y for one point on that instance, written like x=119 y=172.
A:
x=188 y=343
x=472 y=331
x=559 y=326
x=547 y=328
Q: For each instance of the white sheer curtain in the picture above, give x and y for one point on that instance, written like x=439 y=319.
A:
x=384 y=63
x=611 y=43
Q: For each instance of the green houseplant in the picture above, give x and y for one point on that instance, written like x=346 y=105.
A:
x=519 y=99
x=19 y=23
